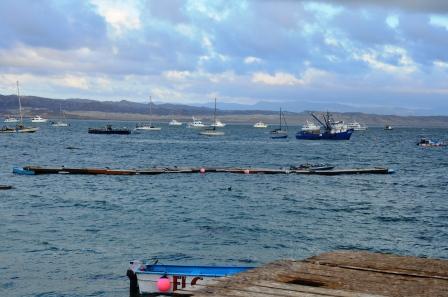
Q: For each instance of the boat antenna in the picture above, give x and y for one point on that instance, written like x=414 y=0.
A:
x=214 y=117
x=20 y=103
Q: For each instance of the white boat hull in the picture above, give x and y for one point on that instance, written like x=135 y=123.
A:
x=212 y=133
x=39 y=121
x=148 y=129
x=11 y=121
x=59 y=125
x=147 y=283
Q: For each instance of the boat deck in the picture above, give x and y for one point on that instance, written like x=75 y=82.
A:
x=30 y=170
x=341 y=274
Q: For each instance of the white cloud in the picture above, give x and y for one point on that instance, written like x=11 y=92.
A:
x=375 y=59
x=120 y=15
x=176 y=75
x=252 y=60
x=278 y=79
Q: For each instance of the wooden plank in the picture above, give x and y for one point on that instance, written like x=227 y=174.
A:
x=342 y=273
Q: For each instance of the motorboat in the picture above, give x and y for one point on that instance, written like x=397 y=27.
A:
x=196 y=123
x=11 y=120
x=425 y=142
x=356 y=126
x=38 y=119
x=329 y=130
x=159 y=279
x=260 y=125
x=218 y=124
x=175 y=123
x=388 y=127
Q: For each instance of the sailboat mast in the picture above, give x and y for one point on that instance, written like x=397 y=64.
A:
x=20 y=103
x=280 y=118
x=150 y=111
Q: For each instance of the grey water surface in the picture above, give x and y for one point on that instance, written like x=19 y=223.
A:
x=73 y=235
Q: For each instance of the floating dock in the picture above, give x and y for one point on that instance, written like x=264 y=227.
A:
x=335 y=274
x=34 y=170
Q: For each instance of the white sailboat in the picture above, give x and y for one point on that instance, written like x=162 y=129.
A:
x=211 y=131
x=148 y=126
x=62 y=122
x=19 y=128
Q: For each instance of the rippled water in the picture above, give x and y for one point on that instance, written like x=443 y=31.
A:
x=68 y=235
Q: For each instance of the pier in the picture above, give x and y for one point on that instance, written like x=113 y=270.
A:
x=34 y=170
x=336 y=274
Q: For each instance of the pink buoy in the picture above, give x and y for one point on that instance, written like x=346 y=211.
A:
x=202 y=170
x=163 y=284
x=246 y=171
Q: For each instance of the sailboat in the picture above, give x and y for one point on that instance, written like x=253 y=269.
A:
x=281 y=132
x=211 y=131
x=19 y=128
x=148 y=127
x=62 y=121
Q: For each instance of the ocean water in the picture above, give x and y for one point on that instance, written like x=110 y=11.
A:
x=69 y=235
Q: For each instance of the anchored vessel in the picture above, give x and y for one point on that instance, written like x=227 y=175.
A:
x=19 y=128
x=109 y=130
x=282 y=131
x=175 y=123
x=330 y=130
x=212 y=131
x=38 y=119
x=150 y=126
x=260 y=125
x=356 y=126
x=196 y=124
x=167 y=279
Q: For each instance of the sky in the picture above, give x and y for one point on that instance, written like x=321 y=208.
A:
x=385 y=56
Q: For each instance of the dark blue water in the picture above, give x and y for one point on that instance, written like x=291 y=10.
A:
x=68 y=235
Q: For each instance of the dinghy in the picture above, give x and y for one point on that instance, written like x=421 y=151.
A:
x=167 y=279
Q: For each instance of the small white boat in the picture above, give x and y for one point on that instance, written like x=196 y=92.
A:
x=149 y=126
x=356 y=126
x=388 y=127
x=196 y=124
x=260 y=125
x=38 y=119
x=218 y=124
x=310 y=127
x=175 y=123
x=168 y=279
x=11 y=120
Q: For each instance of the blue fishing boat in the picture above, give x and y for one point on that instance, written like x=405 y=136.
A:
x=330 y=130
x=167 y=279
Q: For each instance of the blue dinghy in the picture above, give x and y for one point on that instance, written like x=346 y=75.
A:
x=166 y=279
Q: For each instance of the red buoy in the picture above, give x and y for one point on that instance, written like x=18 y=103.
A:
x=163 y=284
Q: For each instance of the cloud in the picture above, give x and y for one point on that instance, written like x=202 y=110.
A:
x=431 y=6
x=278 y=79
x=252 y=60
x=120 y=15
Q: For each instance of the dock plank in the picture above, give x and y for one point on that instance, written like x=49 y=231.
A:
x=341 y=274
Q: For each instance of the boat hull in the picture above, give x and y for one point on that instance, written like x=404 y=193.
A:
x=180 y=277
x=325 y=136
x=99 y=131
x=148 y=129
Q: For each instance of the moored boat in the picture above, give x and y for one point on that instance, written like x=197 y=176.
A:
x=109 y=130
x=167 y=279
x=196 y=124
x=260 y=125
x=147 y=126
x=11 y=120
x=425 y=142
x=174 y=123
x=356 y=126
x=19 y=128
x=38 y=119
x=282 y=131
x=212 y=130
x=330 y=130
x=388 y=127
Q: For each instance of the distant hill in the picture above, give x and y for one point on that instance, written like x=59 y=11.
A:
x=128 y=110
